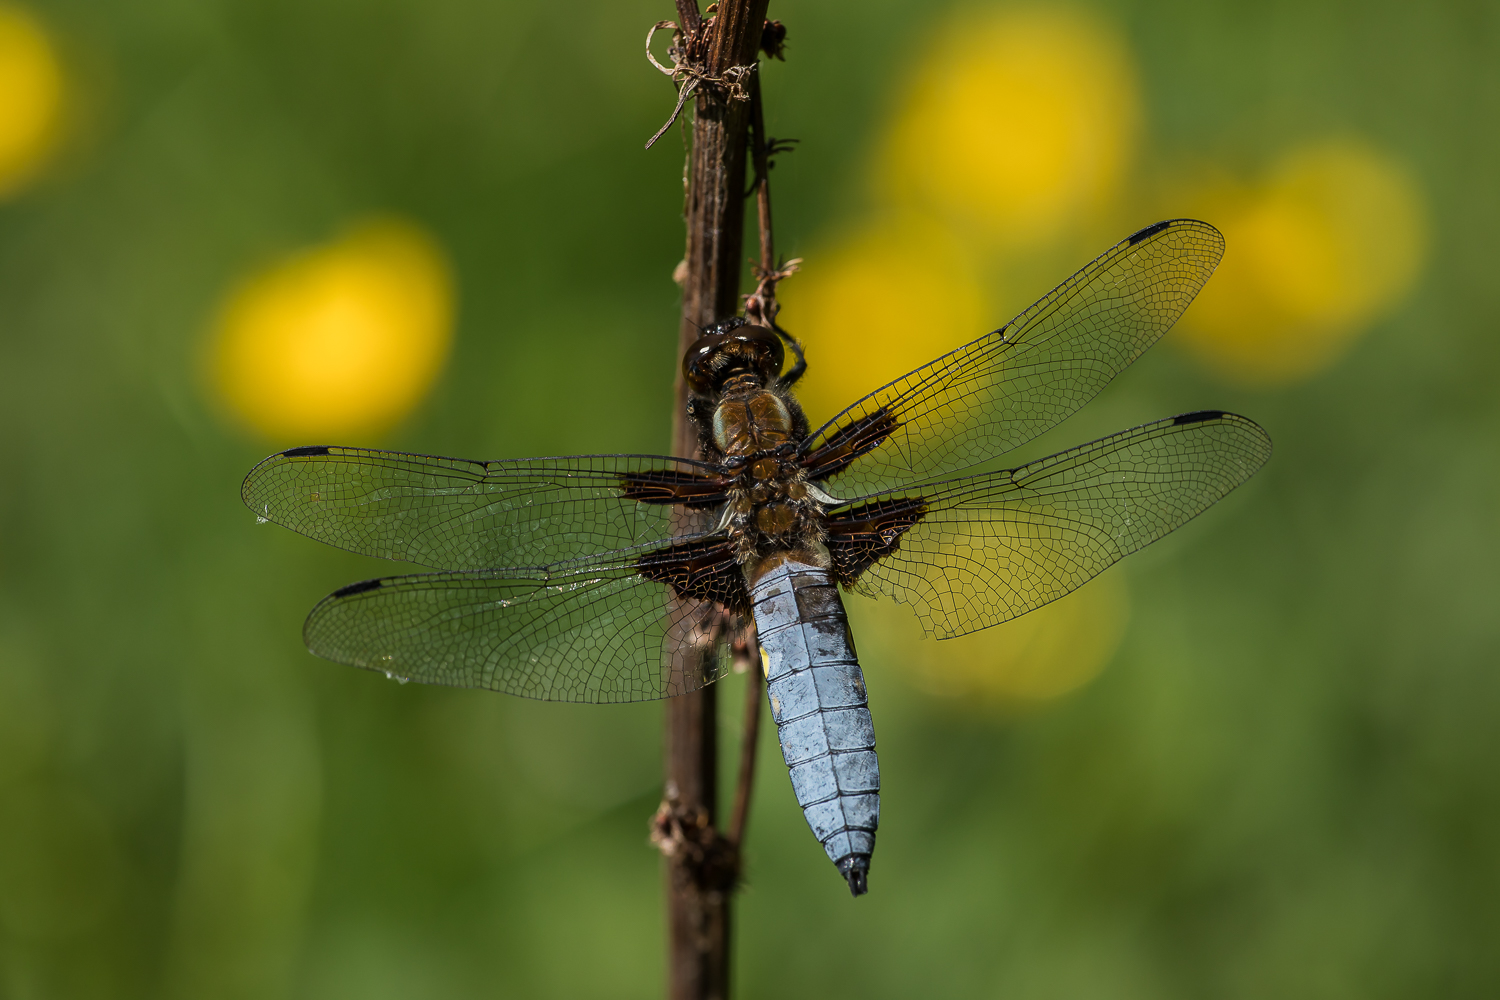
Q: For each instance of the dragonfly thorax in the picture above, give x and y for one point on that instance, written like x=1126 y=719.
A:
x=770 y=505
x=748 y=423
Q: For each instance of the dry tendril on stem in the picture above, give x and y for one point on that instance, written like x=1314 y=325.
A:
x=687 y=73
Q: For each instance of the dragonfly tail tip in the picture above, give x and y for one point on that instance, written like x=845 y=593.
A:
x=856 y=872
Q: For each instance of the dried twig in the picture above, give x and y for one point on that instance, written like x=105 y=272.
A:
x=688 y=72
x=761 y=306
x=699 y=882
x=747 y=660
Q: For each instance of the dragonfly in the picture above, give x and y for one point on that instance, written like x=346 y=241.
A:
x=584 y=578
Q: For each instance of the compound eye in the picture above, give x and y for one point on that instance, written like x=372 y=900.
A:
x=698 y=368
x=731 y=348
x=769 y=354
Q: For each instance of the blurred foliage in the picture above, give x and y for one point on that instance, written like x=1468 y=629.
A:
x=1282 y=784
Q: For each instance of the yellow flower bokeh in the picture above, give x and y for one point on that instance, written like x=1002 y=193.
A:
x=1016 y=132
x=340 y=340
x=31 y=98
x=1334 y=237
x=877 y=306
x=1042 y=655
x=1017 y=124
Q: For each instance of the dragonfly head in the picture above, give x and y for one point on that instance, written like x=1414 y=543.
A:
x=731 y=348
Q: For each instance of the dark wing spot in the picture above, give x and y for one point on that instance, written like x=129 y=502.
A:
x=1148 y=232
x=860 y=537
x=1197 y=417
x=306 y=452
x=856 y=438
x=668 y=486
x=357 y=588
x=701 y=570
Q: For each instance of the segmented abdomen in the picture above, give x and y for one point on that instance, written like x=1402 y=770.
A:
x=817 y=694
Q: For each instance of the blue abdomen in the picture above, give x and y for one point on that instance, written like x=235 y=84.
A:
x=822 y=714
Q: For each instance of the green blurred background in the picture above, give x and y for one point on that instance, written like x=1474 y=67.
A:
x=1282 y=783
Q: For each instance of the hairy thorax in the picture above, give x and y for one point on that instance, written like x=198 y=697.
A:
x=772 y=508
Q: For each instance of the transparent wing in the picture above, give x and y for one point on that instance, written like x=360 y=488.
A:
x=582 y=632
x=975 y=552
x=1000 y=391
x=455 y=514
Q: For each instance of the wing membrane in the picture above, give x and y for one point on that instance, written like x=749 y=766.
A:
x=588 y=631
x=975 y=552
x=455 y=514
x=1000 y=391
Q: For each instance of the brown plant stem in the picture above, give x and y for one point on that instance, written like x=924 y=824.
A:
x=739 y=813
x=699 y=881
x=688 y=16
x=761 y=306
x=762 y=156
